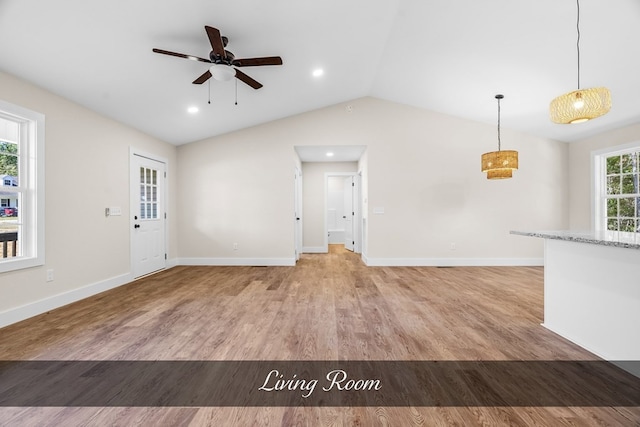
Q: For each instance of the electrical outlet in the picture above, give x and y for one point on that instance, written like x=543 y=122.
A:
x=50 y=275
x=452 y=247
x=235 y=246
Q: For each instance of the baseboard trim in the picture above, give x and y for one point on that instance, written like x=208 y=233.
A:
x=23 y=312
x=452 y=262
x=315 y=250
x=255 y=262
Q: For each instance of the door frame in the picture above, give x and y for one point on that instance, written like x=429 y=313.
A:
x=357 y=209
x=132 y=202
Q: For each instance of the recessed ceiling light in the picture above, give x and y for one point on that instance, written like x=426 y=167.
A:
x=193 y=110
x=329 y=154
x=318 y=72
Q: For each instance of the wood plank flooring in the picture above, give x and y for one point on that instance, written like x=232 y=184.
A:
x=328 y=307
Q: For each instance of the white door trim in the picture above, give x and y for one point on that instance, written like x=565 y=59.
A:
x=146 y=155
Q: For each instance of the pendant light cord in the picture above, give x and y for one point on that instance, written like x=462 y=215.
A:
x=578 y=41
x=498 y=124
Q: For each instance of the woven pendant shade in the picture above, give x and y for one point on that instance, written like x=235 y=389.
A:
x=499 y=174
x=499 y=164
x=580 y=105
x=500 y=160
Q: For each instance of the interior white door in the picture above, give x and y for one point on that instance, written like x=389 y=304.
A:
x=348 y=213
x=297 y=213
x=148 y=215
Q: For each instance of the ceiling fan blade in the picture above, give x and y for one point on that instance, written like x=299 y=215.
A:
x=255 y=62
x=216 y=41
x=248 y=80
x=181 y=55
x=203 y=78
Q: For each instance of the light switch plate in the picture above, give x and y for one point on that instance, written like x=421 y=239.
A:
x=113 y=211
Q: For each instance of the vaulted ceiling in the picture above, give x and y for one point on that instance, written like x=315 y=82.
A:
x=450 y=56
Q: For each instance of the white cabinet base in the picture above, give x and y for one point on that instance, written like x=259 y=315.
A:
x=592 y=297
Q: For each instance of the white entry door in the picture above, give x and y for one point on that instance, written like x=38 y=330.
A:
x=147 y=215
x=348 y=213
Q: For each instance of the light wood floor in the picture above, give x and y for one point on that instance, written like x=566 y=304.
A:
x=328 y=307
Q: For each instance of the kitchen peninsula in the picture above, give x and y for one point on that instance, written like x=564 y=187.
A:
x=592 y=291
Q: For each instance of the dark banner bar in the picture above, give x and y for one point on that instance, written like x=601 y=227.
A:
x=317 y=383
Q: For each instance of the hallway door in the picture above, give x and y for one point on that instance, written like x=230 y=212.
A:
x=348 y=213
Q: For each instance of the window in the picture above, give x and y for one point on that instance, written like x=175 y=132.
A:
x=148 y=193
x=22 y=187
x=618 y=190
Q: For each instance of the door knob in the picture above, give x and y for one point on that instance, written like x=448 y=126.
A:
x=136 y=226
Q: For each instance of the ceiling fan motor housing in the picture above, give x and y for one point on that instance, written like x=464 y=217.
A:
x=217 y=59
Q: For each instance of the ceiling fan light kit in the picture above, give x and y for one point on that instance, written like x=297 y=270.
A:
x=222 y=72
x=499 y=164
x=581 y=105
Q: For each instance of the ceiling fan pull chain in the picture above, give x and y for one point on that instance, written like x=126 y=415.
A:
x=236 y=91
x=209 y=92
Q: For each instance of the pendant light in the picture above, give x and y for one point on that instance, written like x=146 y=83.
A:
x=499 y=164
x=580 y=105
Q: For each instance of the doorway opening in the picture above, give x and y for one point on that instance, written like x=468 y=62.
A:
x=332 y=198
x=342 y=210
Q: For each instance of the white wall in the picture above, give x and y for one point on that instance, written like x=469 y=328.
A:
x=237 y=189
x=313 y=179
x=580 y=181
x=86 y=170
x=424 y=170
x=422 y=167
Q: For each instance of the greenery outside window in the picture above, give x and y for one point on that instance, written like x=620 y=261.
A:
x=618 y=190
x=21 y=187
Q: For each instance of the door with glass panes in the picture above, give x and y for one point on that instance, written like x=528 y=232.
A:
x=147 y=215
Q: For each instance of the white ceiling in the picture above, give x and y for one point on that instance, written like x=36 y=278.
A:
x=450 y=56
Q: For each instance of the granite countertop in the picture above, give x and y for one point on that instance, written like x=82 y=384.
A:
x=604 y=238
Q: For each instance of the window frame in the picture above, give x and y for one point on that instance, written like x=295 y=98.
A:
x=31 y=186
x=599 y=180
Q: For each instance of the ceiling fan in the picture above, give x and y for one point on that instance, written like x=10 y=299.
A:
x=223 y=61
